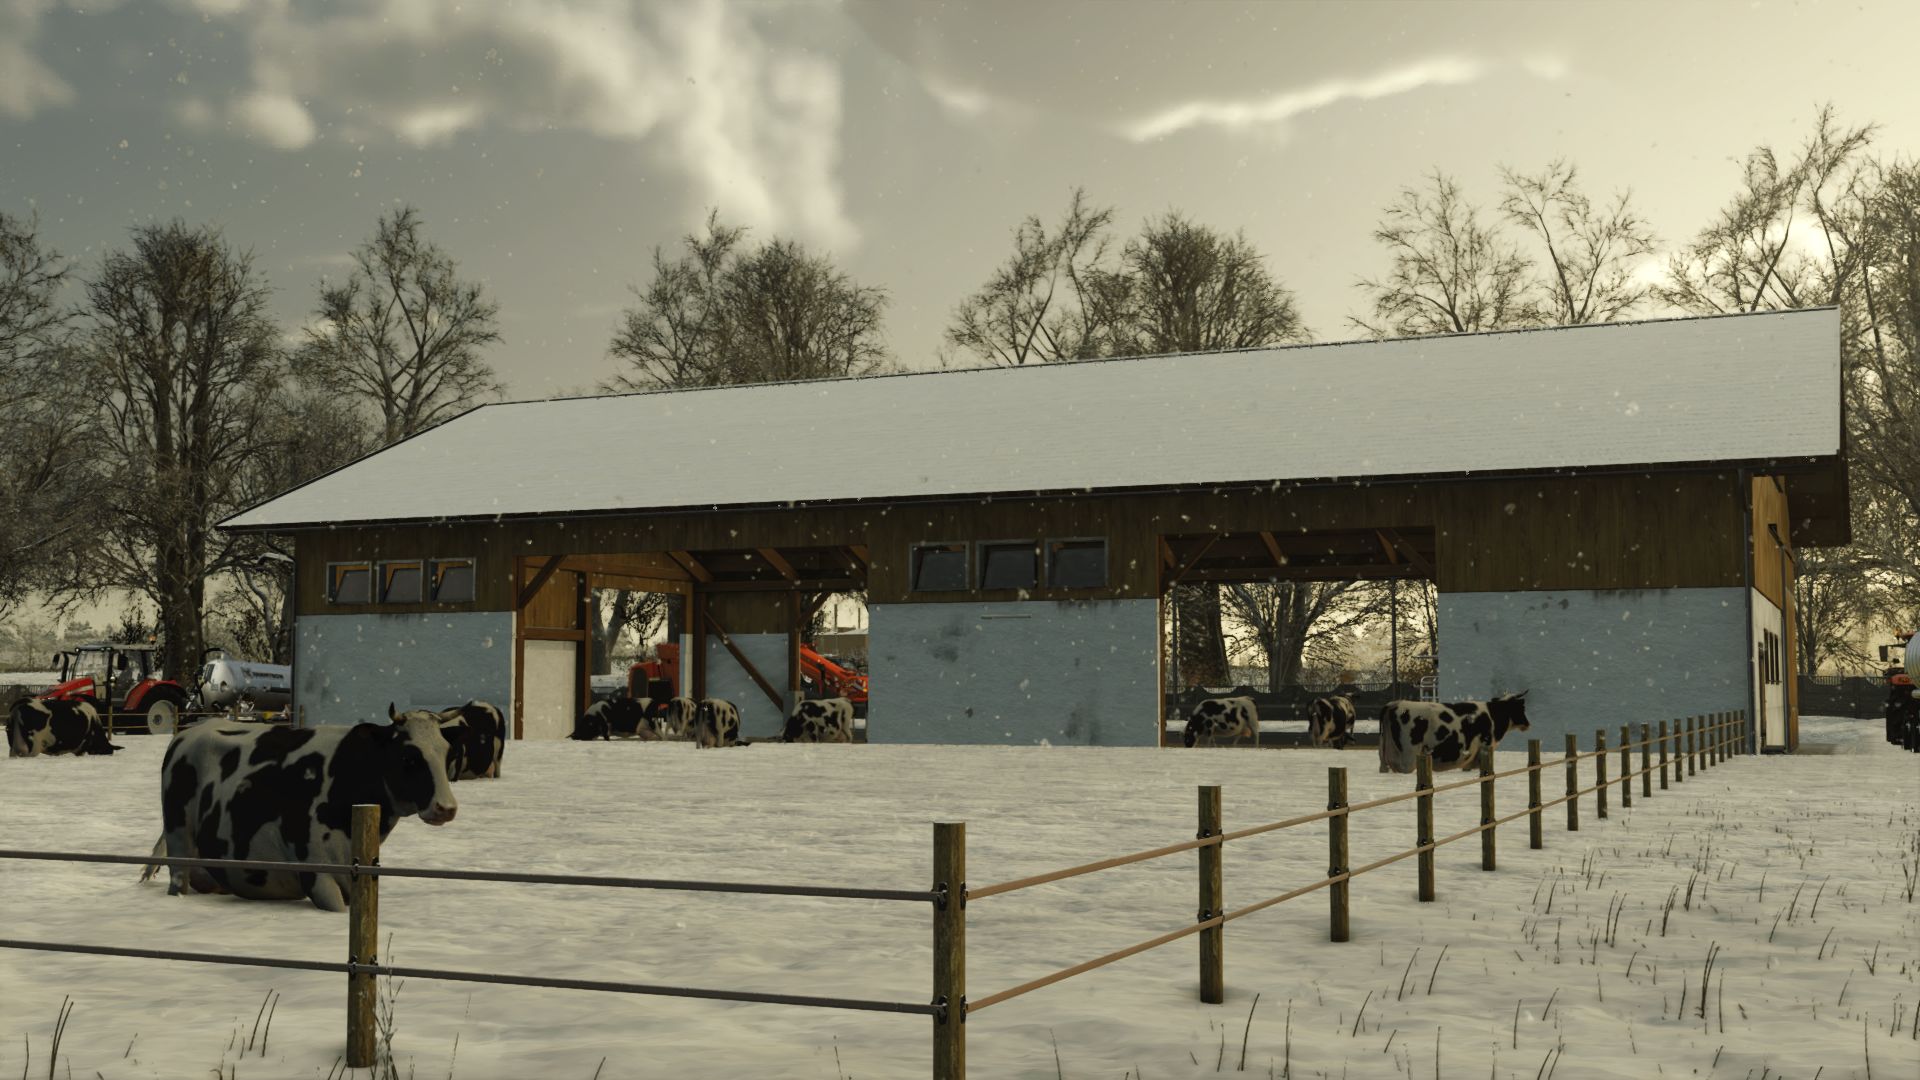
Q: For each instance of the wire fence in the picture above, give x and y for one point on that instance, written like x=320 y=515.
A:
x=1692 y=744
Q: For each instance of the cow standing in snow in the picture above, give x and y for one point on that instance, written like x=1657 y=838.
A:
x=476 y=737
x=626 y=717
x=676 y=717
x=828 y=720
x=37 y=726
x=1331 y=721
x=1228 y=718
x=255 y=791
x=1454 y=733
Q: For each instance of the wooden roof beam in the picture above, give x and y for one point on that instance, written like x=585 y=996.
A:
x=778 y=562
x=1413 y=555
x=540 y=577
x=1191 y=562
x=1273 y=548
x=692 y=566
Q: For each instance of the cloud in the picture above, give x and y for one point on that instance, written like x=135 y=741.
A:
x=26 y=84
x=1275 y=110
x=960 y=100
x=275 y=117
x=752 y=122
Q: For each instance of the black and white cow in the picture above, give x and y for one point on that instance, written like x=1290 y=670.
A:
x=627 y=717
x=476 y=737
x=676 y=717
x=828 y=720
x=1227 y=717
x=258 y=791
x=37 y=726
x=715 y=723
x=1453 y=732
x=1331 y=721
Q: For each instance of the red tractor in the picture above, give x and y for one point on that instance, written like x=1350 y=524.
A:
x=820 y=677
x=124 y=683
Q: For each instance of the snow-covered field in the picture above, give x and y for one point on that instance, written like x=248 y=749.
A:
x=1565 y=962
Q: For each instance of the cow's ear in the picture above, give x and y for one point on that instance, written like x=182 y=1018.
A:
x=390 y=712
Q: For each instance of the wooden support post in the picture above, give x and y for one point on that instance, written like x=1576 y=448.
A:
x=363 y=935
x=1600 y=774
x=1646 y=760
x=1487 y=814
x=1337 y=915
x=697 y=643
x=1626 y=766
x=950 y=950
x=1573 y=783
x=1423 y=822
x=795 y=687
x=1663 y=755
x=1536 y=829
x=1213 y=944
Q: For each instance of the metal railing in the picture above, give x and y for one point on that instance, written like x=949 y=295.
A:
x=1693 y=743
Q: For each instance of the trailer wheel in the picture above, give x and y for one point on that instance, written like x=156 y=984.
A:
x=163 y=716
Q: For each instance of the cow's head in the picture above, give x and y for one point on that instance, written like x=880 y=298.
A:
x=1509 y=712
x=1193 y=730
x=414 y=768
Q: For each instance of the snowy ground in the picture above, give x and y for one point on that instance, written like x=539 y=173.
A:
x=1565 y=962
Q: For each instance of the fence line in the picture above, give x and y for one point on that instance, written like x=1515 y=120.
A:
x=1695 y=743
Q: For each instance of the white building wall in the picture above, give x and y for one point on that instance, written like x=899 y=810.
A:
x=1597 y=658
x=348 y=668
x=727 y=679
x=1023 y=672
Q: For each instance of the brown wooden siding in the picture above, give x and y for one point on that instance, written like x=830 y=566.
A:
x=1648 y=531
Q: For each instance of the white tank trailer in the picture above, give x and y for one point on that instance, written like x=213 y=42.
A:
x=226 y=683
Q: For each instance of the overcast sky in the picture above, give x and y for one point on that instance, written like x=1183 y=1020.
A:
x=552 y=145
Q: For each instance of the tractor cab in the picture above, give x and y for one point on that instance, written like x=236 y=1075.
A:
x=123 y=682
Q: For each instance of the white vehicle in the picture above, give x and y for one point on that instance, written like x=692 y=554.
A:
x=226 y=683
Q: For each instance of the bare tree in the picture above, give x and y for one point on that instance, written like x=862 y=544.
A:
x=404 y=333
x=1042 y=304
x=1592 y=252
x=1450 y=272
x=1831 y=605
x=1186 y=287
x=723 y=314
x=178 y=344
x=304 y=433
x=43 y=444
x=1290 y=623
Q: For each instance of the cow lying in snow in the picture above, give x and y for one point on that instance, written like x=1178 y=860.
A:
x=1227 y=717
x=476 y=737
x=37 y=726
x=1331 y=721
x=619 y=717
x=828 y=720
x=253 y=791
x=715 y=723
x=1453 y=732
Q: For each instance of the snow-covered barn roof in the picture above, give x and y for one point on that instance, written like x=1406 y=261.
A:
x=1745 y=388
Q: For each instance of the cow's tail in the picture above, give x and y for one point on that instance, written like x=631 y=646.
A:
x=148 y=871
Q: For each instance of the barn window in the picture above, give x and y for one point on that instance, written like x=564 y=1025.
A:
x=1077 y=564
x=453 y=581
x=400 y=582
x=349 y=583
x=939 y=567
x=1010 y=564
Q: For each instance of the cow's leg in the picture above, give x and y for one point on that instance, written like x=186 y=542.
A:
x=328 y=892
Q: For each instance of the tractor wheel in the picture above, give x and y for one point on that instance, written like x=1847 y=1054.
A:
x=163 y=716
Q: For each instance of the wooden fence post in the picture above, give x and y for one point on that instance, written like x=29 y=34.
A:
x=1693 y=742
x=1600 y=773
x=1720 y=741
x=1487 y=814
x=1626 y=766
x=1663 y=755
x=1337 y=913
x=950 y=950
x=1213 y=978
x=1573 y=783
x=363 y=935
x=1423 y=821
x=1536 y=838
x=1646 y=760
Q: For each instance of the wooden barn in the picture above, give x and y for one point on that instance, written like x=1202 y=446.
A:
x=1610 y=514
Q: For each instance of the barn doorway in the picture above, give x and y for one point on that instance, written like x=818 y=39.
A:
x=556 y=625
x=1293 y=615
